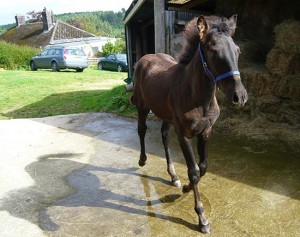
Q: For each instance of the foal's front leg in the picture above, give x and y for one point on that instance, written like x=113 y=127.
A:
x=165 y=128
x=194 y=178
x=202 y=147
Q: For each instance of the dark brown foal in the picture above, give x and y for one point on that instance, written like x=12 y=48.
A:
x=183 y=94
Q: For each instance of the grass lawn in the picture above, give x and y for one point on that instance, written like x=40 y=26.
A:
x=27 y=94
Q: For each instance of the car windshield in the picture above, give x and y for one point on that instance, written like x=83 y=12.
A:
x=77 y=52
x=121 y=57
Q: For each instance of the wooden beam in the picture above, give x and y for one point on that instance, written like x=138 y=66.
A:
x=134 y=10
x=159 y=26
x=129 y=50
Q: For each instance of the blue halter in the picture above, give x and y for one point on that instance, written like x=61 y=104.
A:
x=210 y=74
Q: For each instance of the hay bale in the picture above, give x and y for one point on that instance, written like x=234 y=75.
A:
x=288 y=87
x=288 y=36
x=282 y=63
x=258 y=82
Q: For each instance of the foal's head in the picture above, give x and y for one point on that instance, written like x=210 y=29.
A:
x=221 y=55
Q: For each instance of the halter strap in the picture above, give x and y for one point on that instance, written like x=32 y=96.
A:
x=210 y=74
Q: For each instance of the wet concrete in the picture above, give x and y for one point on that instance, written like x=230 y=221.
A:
x=77 y=175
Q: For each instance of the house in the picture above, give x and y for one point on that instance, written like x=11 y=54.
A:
x=47 y=32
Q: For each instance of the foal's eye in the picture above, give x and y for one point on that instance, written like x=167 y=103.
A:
x=212 y=43
x=214 y=53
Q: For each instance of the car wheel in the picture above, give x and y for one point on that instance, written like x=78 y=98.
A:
x=54 y=67
x=120 y=69
x=79 y=69
x=100 y=66
x=33 y=66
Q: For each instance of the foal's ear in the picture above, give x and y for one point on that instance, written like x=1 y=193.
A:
x=232 y=24
x=202 y=26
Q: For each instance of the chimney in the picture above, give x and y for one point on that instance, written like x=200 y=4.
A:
x=20 y=20
x=47 y=19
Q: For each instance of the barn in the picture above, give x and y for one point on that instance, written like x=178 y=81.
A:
x=268 y=33
x=156 y=25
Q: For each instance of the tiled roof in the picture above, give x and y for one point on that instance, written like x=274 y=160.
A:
x=65 y=31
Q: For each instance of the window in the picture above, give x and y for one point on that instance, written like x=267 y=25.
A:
x=44 y=52
x=80 y=52
x=121 y=57
x=51 y=52
x=111 y=57
x=58 y=52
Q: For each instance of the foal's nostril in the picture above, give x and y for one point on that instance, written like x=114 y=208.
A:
x=235 y=98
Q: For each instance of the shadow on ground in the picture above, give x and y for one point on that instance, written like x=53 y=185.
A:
x=83 y=189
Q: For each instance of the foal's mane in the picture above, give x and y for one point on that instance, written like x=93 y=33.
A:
x=192 y=37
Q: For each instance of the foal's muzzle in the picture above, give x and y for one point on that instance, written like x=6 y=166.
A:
x=240 y=97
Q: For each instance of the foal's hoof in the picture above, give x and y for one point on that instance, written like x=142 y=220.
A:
x=205 y=229
x=142 y=162
x=176 y=183
x=186 y=188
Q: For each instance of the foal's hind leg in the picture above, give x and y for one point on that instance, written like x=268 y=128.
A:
x=142 y=116
x=165 y=128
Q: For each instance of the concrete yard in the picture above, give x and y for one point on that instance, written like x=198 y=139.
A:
x=78 y=175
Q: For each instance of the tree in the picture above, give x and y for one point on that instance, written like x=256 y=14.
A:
x=102 y=23
x=2 y=30
x=118 y=47
x=34 y=16
x=107 y=49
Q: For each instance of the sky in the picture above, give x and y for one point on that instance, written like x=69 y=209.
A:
x=9 y=8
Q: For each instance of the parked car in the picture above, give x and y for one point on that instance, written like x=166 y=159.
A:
x=115 y=62
x=60 y=57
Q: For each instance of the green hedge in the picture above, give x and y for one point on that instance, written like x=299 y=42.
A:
x=15 y=56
